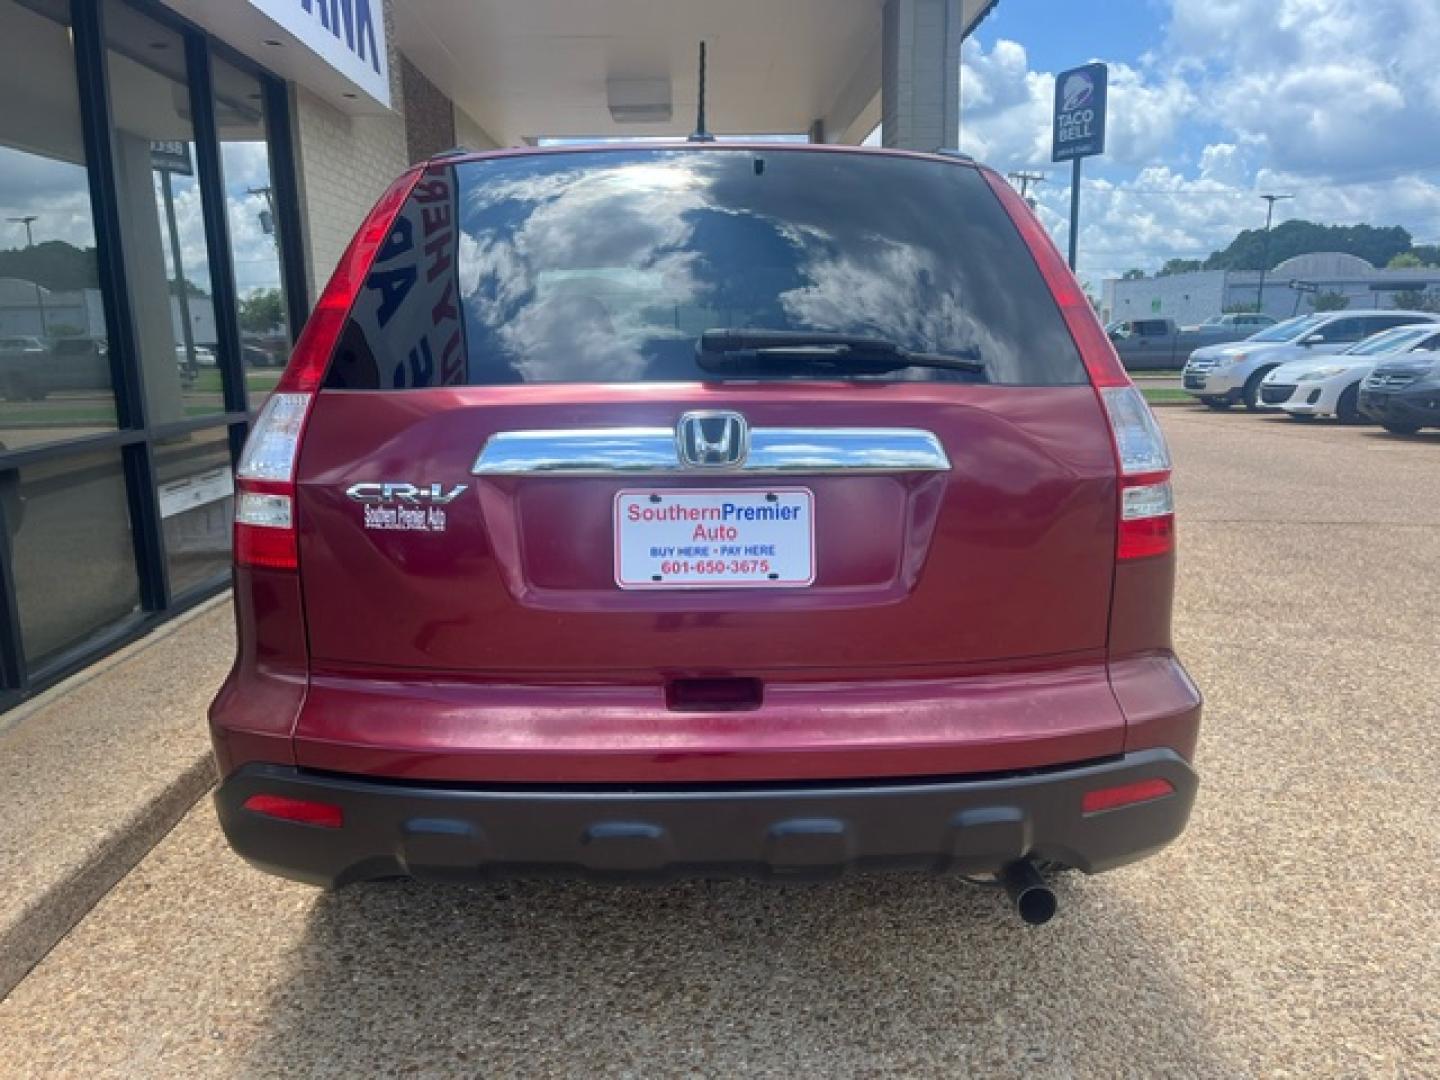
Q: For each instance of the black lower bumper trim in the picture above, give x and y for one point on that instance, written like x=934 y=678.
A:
x=450 y=833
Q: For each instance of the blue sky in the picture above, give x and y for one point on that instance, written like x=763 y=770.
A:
x=1212 y=103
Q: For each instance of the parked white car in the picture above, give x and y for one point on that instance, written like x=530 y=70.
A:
x=1330 y=385
x=1226 y=375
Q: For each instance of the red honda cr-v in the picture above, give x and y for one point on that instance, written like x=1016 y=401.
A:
x=706 y=509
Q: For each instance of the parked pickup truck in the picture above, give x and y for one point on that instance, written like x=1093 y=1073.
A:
x=1158 y=344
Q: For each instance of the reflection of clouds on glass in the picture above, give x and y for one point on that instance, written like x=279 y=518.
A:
x=190 y=226
x=246 y=165
x=609 y=266
x=889 y=289
x=56 y=192
x=560 y=326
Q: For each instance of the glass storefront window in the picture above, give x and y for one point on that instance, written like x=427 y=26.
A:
x=242 y=122
x=54 y=357
x=162 y=223
x=67 y=535
x=70 y=540
x=197 y=505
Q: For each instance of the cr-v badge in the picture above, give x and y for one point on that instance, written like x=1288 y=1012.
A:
x=400 y=507
x=414 y=494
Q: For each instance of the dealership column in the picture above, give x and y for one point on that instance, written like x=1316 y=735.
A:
x=920 y=73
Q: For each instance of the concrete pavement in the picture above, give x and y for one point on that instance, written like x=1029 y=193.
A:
x=94 y=772
x=1291 y=931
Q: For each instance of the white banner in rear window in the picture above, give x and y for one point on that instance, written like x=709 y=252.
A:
x=409 y=307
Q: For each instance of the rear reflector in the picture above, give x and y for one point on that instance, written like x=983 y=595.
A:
x=1113 y=798
x=326 y=815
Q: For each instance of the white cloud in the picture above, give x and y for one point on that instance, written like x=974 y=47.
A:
x=1332 y=100
x=1327 y=87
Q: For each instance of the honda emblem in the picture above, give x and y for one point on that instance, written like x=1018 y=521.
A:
x=712 y=440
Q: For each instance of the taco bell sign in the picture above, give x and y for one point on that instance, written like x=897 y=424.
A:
x=1079 y=113
x=348 y=35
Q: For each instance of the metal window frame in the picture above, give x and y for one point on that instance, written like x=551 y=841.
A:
x=135 y=436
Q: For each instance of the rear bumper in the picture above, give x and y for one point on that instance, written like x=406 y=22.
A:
x=778 y=831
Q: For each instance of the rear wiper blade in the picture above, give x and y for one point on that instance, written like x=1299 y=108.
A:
x=733 y=351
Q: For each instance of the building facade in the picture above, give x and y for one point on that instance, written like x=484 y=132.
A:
x=177 y=180
x=179 y=177
x=1290 y=289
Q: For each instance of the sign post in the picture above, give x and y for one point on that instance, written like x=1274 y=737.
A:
x=170 y=159
x=1079 y=130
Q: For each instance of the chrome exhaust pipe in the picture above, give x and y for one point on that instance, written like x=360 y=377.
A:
x=1034 y=900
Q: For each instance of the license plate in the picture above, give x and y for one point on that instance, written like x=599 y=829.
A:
x=714 y=538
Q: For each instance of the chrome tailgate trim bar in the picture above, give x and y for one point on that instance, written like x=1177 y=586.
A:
x=644 y=450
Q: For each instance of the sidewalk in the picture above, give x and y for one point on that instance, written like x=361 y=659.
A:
x=96 y=771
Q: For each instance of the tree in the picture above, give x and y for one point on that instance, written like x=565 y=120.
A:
x=53 y=265
x=1417 y=300
x=1180 y=266
x=1406 y=260
x=1329 y=301
x=1133 y=274
x=262 y=311
x=1376 y=245
x=191 y=289
x=1428 y=254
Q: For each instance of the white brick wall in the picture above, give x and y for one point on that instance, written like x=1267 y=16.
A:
x=920 y=73
x=344 y=164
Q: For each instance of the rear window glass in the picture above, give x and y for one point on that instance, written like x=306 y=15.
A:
x=609 y=266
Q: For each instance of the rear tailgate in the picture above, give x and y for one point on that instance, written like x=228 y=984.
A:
x=1005 y=556
x=464 y=623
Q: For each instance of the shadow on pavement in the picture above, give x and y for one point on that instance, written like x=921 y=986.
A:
x=912 y=975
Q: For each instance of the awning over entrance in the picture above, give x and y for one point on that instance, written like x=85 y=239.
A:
x=628 y=67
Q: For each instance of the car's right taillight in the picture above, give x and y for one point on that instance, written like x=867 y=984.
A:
x=266 y=530
x=1147 y=503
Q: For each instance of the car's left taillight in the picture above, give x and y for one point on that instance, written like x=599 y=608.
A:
x=266 y=530
x=265 y=533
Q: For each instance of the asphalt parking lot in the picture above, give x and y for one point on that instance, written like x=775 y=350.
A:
x=1292 y=931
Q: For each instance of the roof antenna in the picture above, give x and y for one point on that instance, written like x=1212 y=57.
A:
x=700 y=134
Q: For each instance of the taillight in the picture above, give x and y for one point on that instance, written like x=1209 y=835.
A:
x=265 y=525
x=1147 y=503
x=265 y=480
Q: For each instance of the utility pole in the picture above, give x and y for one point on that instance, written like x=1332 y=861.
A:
x=182 y=286
x=1025 y=179
x=1270 y=201
x=27 y=221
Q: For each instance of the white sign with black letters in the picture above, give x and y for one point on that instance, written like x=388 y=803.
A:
x=349 y=35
